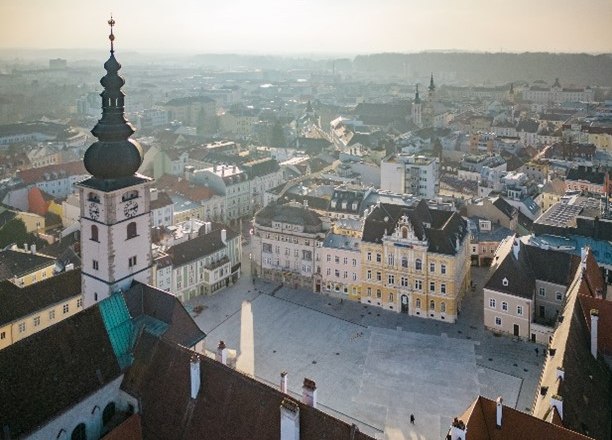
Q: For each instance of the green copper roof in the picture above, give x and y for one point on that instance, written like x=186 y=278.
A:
x=119 y=327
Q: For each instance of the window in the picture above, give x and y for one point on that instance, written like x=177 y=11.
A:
x=378 y=276
x=418 y=284
x=418 y=265
x=129 y=195
x=504 y=306
x=404 y=262
x=95 y=265
x=22 y=327
x=108 y=413
x=369 y=291
x=443 y=268
x=432 y=305
x=443 y=289
x=354 y=262
x=132 y=261
x=2 y=335
x=51 y=315
x=79 y=433
x=559 y=296
x=492 y=303
x=337 y=273
x=391 y=297
x=432 y=267
x=505 y=282
x=391 y=279
x=345 y=260
x=390 y=260
x=443 y=307
x=36 y=321
x=432 y=286
x=66 y=308
x=542 y=291
x=378 y=293
x=267 y=248
x=498 y=321
x=418 y=303
x=519 y=310
x=378 y=258
x=131 y=230
x=369 y=257
x=94 y=233
x=369 y=275
x=404 y=281
x=79 y=303
x=354 y=276
x=328 y=271
x=336 y=259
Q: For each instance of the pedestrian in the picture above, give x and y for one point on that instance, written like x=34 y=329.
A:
x=537 y=350
x=412 y=418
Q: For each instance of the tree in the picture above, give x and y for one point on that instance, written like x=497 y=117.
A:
x=13 y=232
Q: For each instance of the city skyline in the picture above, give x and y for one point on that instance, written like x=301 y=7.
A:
x=311 y=27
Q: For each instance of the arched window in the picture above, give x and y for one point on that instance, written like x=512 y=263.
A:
x=432 y=305
x=131 y=230
x=418 y=264
x=418 y=303
x=443 y=307
x=404 y=232
x=93 y=197
x=108 y=413
x=129 y=195
x=79 y=433
x=390 y=297
x=94 y=233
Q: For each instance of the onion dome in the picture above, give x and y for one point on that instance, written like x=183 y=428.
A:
x=114 y=155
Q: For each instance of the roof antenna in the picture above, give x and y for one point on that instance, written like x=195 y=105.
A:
x=111 y=37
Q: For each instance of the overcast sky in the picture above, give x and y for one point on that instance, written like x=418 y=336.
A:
x=310 y=26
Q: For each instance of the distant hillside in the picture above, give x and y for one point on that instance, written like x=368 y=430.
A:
x=493 y=67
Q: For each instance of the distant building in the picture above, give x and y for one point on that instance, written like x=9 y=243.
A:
x=410 y=174
x=58 y=64
x=557 y=94
x=23 y=267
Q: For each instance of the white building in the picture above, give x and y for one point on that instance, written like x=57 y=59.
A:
x=410 y=174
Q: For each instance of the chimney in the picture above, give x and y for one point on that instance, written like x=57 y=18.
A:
x=557 y=402
x=560 y=373
x=221 y=355
x=33 y=249
x=594 y=322
x=498 y=415
x=224 y=236
x=283 y=382
x=25 y=247
x=583 y=257
x=458 y=430
x=289 y=420
x=195 y=375
x=516 y=247
x=309 y=393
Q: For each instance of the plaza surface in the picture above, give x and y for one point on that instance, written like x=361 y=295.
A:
x=372 y=367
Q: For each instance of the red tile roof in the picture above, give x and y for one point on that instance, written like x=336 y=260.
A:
x=53 y=172
x=189 y=190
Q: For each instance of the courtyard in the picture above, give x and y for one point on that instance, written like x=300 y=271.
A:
x=372 y=367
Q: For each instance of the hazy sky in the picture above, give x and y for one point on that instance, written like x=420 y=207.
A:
x=310 y=26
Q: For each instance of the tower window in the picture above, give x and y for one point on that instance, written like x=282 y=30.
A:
x=129 y=195
x=94 y=233
x=131 y=230
x=132 y=261
x=95 y=265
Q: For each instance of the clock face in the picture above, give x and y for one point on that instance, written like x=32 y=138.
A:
x=130 y=209
x=94 y=211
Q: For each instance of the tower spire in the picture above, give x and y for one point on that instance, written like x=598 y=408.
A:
x=417 y=98
x=432 y=87
x=114 y=155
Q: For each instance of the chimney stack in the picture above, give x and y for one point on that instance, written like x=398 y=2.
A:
x=498 y=417
x=557 y=402
x=594 y=322
x=283 y=382
x=289 y=420
x=458 y=430
x=309 y=393
x=221 y=355
x=33 y=249
x=516 y=247
x=224 y=235
x=195 y=375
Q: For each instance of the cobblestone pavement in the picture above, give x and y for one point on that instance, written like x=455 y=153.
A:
x=372 y=367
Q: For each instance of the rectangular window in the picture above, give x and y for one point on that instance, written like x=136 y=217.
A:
x=519 y=310
x=345 y=260
x=418 y=284
x=498 y=321
x=51 y=315
x=391 y=279
x=36 y=321
x=95 y=265
x=296 y=253
x=378 y=276
x=354 y=262
x=369 y=257
x=336 y=259
x=504 y=306
x=443 y=268
x=22 y=327
x=3 y=335
x=390 y=259
x=66 y=308
x=559 y=296
x=328 y=271
x=443 y=289
x=492 y=303
x=354 y=276
x=79 y=303
x=432 y=267
x=369 y=291
x=345 y=274
x=432 y=286
x=369 y=275
x=542 y=291
x=328 y=258
x=132 y=261
x=337 y=273
x=378 y=258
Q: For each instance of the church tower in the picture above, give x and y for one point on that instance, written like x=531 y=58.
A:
x=416 y=111
x=431 y=89
x=115 y=200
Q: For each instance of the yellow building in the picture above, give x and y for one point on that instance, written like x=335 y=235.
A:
x=33 y=222
x=23 y=267
x=30 y=309
x=415 y=260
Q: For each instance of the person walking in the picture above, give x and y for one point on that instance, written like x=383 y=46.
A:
x=412 y=419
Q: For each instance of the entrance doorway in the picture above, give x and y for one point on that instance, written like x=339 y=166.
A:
x=404 y=303
x=516 y=330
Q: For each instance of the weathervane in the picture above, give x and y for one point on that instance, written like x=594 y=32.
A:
x=111 y=37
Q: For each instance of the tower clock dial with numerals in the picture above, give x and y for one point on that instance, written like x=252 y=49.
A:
x=130 y=209
x=94 y=211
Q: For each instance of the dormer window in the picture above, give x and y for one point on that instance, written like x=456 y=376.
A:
x=505 y=282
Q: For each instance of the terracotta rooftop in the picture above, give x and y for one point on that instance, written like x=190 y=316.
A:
x=53 y=172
